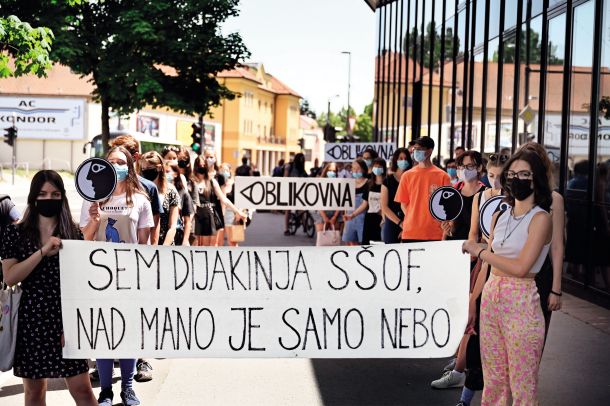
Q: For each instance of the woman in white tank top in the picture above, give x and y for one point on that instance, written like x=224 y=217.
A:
x=511 y=322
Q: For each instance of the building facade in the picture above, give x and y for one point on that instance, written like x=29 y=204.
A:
x=493 y=74
x=263 y=123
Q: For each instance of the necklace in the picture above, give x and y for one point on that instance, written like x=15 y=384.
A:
x=516 y=226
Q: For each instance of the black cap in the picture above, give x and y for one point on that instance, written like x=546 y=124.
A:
x=425 y=142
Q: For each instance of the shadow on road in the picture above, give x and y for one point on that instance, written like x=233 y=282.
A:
x=384 y=382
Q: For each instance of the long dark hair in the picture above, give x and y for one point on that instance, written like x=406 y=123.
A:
x=373 y=177
x=132 y=184
x=66 y=228
x=542 y=188
x=200 y=163
x=394 y=162
x=299 y=163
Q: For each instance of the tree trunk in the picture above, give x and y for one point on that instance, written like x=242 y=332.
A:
x=105 y=127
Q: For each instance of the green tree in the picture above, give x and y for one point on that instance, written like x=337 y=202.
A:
x=28 y=47
x=364 y=124
x=162 y=53
x=415 y=43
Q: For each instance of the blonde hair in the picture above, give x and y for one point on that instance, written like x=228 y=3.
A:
x=153 y=158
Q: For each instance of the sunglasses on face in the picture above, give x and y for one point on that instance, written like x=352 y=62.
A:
x=497 y=157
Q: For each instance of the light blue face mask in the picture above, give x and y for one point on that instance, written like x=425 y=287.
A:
x=169 y=177
x=331 y=174
x=227 y=175
x=402 y=164
x=419 y=155
x=357 y=175
x=377 y=171
x=452 y=172
x=368 y=162
x=121 y=172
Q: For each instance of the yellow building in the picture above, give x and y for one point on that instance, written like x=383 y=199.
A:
x=262 y=123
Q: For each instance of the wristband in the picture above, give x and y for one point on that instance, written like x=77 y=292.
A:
x=556 y=294
x=480 y=252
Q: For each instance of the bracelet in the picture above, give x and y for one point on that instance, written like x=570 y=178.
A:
x=480 y=252
x=556 y=294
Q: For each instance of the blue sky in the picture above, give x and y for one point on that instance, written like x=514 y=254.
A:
x=300 y=42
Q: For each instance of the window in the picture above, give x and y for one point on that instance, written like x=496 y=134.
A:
x=491 y=96
x=480 y=22
x=494 y=18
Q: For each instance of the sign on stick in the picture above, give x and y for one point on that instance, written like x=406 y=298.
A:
x=268 y=193
x=348 y=151
x=95 y=179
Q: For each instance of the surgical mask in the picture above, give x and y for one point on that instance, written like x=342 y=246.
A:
x=377 y=171
x=48 y=207
x=368 y=162
x=121 y=172
x=419 y=155
x=151 y=174
x=357 y=175
x=331 y=174
x=169 y=177
x=211 y=161
x=402 y=164
x=470 y=174
x=227 y=175
x=520 y=189
x=452 y=173
x=183 y=163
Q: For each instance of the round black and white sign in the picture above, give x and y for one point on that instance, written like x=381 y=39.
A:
x=446 y=203
x=487 y=211
x=95 y=179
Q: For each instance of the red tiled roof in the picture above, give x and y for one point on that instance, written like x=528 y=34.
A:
x=249 y=72
x=60 y=81
x=392 y=61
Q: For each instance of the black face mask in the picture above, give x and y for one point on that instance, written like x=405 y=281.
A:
x=520 y=189
x=201 y=170
x=183 y=163
x=48 y=207
x=150 y=174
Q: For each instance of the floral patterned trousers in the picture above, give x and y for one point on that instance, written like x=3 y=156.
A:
x=512 y=337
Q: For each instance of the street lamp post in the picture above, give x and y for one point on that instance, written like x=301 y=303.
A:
x=349 y=85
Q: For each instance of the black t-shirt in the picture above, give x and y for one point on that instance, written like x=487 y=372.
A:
x=461 y=225
x=243 y=170
x=153 y=195
x=392 y=184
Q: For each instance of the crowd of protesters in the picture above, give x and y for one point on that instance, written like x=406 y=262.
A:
x=169 y=198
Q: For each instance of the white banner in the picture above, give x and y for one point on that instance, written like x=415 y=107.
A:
x=268 y=193
x=49 y=118
x=382 y=301
x=348 y=151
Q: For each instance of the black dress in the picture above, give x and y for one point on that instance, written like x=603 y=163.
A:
x=372 y=221
x=38 y=351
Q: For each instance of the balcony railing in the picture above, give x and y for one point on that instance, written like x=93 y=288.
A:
x=271 y=139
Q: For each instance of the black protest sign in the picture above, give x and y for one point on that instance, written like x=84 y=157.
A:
x=95 y=179
x=487 y=211
x=348 y=151
x=268 y=193
x=446 y=203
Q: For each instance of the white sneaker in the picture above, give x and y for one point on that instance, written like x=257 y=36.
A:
x=450 y=379
x=450 y=365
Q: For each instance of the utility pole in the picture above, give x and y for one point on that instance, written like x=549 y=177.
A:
x=349 y=85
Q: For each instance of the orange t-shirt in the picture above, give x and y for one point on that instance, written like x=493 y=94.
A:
x=414 y=190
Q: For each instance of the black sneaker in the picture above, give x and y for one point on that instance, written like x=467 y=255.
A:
x=105 y=398
x=129 y=398
x=144 y=372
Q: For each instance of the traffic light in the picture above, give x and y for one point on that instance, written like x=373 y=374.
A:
x=330 y=133
x=10 y=135
x=302 y=143
x=197 y=137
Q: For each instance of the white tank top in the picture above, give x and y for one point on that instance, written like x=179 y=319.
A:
x=510 y=236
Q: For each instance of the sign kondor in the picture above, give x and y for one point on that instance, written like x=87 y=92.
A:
x=383 y=301
x=269 y=193
x=348 y=151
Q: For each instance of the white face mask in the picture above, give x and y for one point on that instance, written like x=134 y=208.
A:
x=467 y=175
